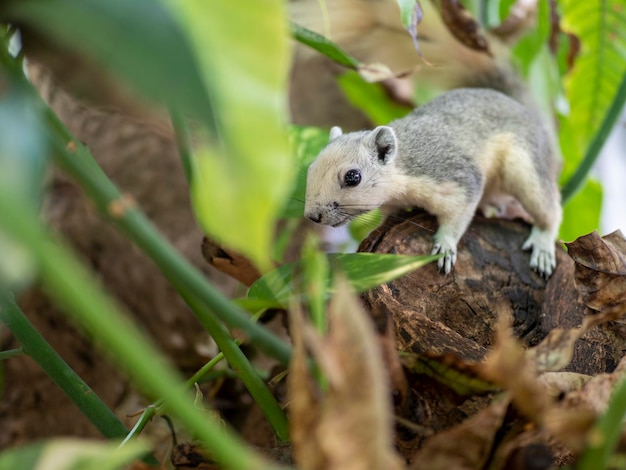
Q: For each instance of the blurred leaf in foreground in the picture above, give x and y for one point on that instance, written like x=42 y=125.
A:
x=348 y=425
x=71 y=454
x=22 y=167
x=244 y=179
x=137 y=40
x=362 y=270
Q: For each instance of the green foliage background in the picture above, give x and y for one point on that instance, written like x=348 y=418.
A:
x=247 y=172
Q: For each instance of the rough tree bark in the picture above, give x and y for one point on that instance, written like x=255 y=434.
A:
x=457 y=315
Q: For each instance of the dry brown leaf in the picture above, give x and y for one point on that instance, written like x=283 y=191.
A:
x=556 y=350
x=304 y=399
x=229 y=262
x=463 y=26
x=560 y=383
x=601 y=270
x=522 y=16
x=466 y=446
x=508 y=366
x=571 y=419
x=349 y=425
x=376 y=72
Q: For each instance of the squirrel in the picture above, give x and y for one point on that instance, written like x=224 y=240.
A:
x=454 y=154
x=468 y=148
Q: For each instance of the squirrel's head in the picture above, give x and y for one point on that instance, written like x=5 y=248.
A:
x=350 y=175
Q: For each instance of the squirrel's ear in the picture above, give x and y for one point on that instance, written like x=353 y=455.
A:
x=385 y=144
x=335 y=132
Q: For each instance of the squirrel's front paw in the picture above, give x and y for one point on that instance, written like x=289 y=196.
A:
x=542 y=256
x=446 y=262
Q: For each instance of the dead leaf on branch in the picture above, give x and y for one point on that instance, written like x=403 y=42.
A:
x=601 y=270
x=349 y=425
x=463 y=26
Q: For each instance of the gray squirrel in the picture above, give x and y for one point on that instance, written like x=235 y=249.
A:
x=466 y=149
x=460 y=151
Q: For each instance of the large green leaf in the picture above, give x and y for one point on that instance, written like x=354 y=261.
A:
x=137 y=40
x=242 y=184
x=591 y=86
x=363 y=271
x=581 y=214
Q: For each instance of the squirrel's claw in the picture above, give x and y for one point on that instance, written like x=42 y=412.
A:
x=542 y=256
x=446 y=262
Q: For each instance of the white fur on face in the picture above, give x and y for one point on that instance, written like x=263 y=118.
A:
x=328 y=200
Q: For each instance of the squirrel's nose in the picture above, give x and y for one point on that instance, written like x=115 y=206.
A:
x=315 y=217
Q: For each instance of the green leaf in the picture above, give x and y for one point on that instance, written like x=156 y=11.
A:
x=371 y=98
x=306 y=143
x=363 y=271
x=592 y=84
x=22 y=168
x=362 y=225
x=323 y=45
x=604 y=436
x=72 y=454
x=581 y=214
x=241 y=186
x=411 y=15
x=534 y=41
x=138 y=40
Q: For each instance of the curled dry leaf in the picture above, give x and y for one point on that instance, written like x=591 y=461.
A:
x=601 y=270
x=349 y=424
x=466 y=446
x=230 y=262
x=571 y=419
x=463 y=26
x=556 y=350
x=522 y=15
x=375 y=72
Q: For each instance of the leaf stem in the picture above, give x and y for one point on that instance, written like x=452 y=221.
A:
x=11 y=353
x=72 y=285
x=35 y=346
x=574 y=184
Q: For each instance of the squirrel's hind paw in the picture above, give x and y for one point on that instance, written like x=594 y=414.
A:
x=447 y=261
x=542 y=256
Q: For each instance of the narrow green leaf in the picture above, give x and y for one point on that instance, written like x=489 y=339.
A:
x=138 y=40
x=362 y=225
x=363 y=271
x=411 y=15
x=371 y=98
x=315 y=272
x=324 y=46
x=306 y=143
x=407 y=12
x=606 y=433
x=241 y=186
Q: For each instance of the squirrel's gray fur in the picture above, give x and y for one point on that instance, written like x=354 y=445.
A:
x=460 y=151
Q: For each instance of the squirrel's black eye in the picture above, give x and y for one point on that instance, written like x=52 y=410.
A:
x=352 y=178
